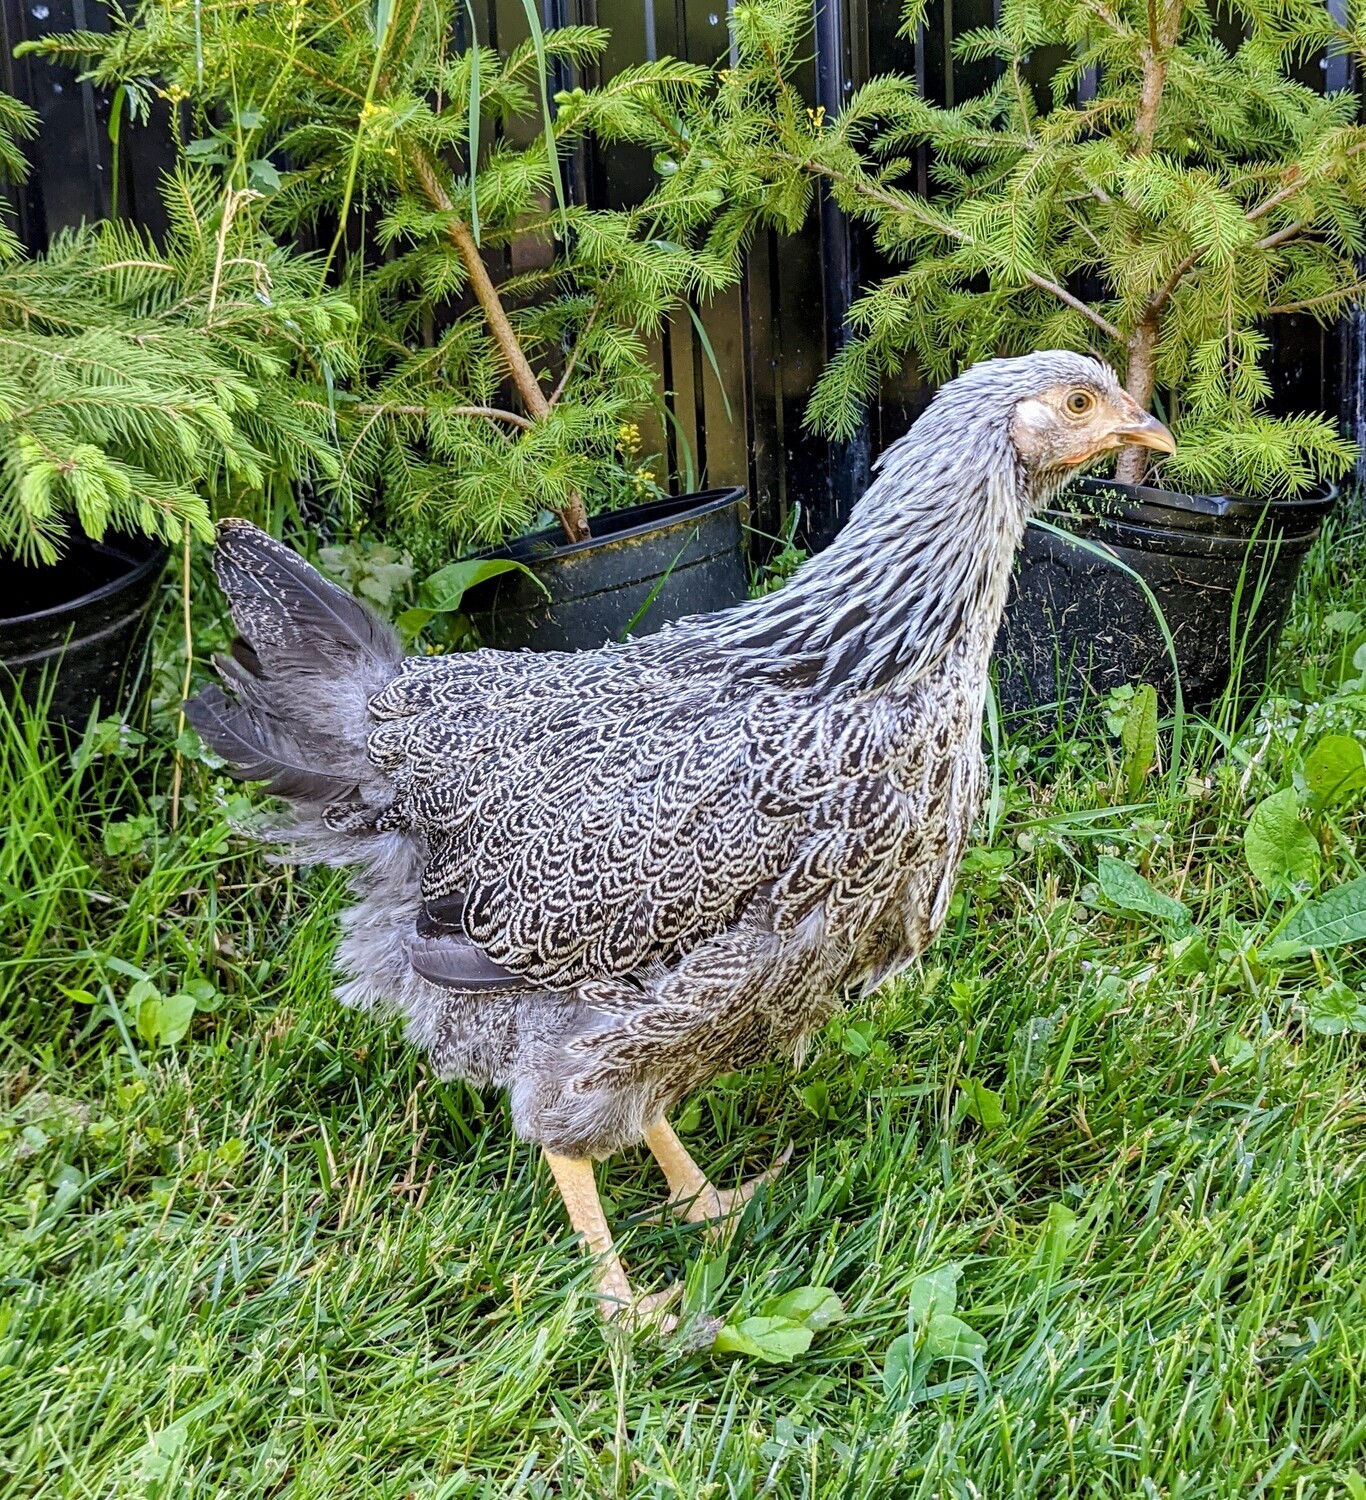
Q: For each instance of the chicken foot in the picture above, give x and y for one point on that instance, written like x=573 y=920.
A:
x=616 y=1298
x=691 y=1191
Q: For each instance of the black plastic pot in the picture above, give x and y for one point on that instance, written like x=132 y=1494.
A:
x=643 y=567
x=84 y=618
x=1223 y=570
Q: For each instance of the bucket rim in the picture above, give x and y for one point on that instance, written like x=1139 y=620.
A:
x=1315 y=504
x=1187 y=541
x=549 y=544
x=149 y=565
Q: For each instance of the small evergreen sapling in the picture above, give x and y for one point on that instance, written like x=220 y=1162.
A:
x=1160 y=215
x=503 y=329
x=139 y=385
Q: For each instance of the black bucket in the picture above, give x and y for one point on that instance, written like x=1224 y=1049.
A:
x=85 y=618
x=1223 y=571
x=642 y=567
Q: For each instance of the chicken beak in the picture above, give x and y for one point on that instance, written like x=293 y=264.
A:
x=1147 y=432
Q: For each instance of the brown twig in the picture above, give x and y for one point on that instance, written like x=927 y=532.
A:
x=1340 y=294
x=1163 y=294
x=1274 y=200
x=491 y=413
x=572 y=516
x=1270 y=241
x=574 y=352
x=481 y=284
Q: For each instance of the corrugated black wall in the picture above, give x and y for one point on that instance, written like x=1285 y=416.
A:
x=771 y=336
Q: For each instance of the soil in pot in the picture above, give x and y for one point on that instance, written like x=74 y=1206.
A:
x=83 y=620
x=1223 y=570
x=642 y=568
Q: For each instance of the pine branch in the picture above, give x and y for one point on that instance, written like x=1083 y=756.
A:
x=902 y=204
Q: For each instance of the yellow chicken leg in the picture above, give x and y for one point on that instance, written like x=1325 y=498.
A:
x=574 y=1178
x=691 y=1191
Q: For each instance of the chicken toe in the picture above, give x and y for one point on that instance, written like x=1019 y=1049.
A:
x=617 y=1299
x=692 y=1193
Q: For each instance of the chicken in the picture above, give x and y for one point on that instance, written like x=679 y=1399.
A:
x=599 y=880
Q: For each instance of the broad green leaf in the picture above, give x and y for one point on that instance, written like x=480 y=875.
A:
x=988 y=861
x=1338 y=917
x=816 y=1097
x=1343 y=668
x=173 y=1021
x=896 y=1367
x=263 y=175
x=1124 y=887
x=231 y=1152
x=206 y=996
x=1335 y=769
x=144 y=1000
x=129 y=835
x=1058 y=1229
x=1190 y=954
x=948 y=1337
x=1139 y=739
x=777 y=1341
x=982 y=1104
x=858 y=1037
x=161 y=1020
x=1237 y=1051
x=934 y=1292
x=1279 y=847
x=1335 y=1009
x=412 y=622
x=814 y=1307
x=444 y=590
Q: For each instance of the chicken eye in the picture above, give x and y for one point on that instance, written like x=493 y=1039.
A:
x=1080 y=402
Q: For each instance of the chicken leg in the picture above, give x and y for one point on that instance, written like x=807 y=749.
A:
x=574 y=1178
x=691 y=1191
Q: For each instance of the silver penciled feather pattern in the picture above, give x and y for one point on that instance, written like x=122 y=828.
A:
x=601 y=879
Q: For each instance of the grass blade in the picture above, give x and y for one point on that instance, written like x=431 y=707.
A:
x=1106 y=554
x=551 y=149
x=474 y=112
x=711 y=358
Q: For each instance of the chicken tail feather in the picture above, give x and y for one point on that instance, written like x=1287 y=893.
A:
x=309 y=659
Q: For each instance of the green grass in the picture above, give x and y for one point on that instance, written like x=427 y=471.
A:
x=279 y=1260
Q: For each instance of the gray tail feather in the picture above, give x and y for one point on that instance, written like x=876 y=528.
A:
x=310 y=658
